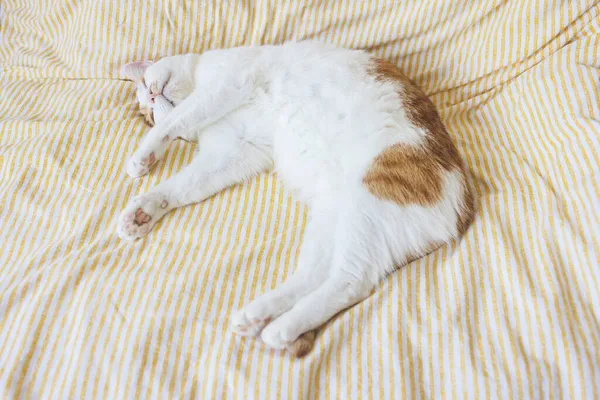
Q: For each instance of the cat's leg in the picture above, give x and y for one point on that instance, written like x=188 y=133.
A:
x=312 y=269
x=220 y=163
x=357 y=265
x=152 y=148
x=204 y=106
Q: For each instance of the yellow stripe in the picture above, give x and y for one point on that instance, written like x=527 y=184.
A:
x=44 y=161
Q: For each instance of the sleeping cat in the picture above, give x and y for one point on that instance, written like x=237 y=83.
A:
x=359 y=143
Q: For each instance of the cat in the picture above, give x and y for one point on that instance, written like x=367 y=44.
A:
x=355 y=139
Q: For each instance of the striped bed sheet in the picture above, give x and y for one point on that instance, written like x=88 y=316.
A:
x=510 y=311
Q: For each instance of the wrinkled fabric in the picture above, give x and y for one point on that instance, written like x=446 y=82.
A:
x=511 y=310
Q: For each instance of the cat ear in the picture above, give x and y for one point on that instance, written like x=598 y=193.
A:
x=135 y=70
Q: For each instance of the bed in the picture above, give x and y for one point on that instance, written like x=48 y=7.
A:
x=510 y=311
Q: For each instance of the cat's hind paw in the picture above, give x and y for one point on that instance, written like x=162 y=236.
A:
x=140 y=215
x=244 y=325
x=277 y=336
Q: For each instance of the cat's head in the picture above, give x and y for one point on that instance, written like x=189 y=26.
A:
x=135 y=72
x=160 y=85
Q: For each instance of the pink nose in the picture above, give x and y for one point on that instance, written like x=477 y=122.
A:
x=153 y=96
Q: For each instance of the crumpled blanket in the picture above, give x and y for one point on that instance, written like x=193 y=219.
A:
x=510 y=311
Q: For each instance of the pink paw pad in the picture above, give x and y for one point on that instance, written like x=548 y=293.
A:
x=147 y=161
x=141 y=217
x=264 y=321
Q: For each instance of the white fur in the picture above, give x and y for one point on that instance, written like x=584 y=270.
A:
x=312 y=112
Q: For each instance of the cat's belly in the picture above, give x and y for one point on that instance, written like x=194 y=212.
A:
x=306 y=170
x=318 y=157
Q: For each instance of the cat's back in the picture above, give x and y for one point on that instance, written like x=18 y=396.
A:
x=334 y=113
x=349 y=120
x=338 y=94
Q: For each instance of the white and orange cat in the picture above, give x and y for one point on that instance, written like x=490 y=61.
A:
x=359 y=143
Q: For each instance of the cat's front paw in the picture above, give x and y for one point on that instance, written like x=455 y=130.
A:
x=140 y=166
x=140 y=215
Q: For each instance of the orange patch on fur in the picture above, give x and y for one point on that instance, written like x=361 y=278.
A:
x=466 y=217
x=405 y=176
x=413 y=174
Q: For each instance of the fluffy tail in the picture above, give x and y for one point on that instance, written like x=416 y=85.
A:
x=303 y=345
